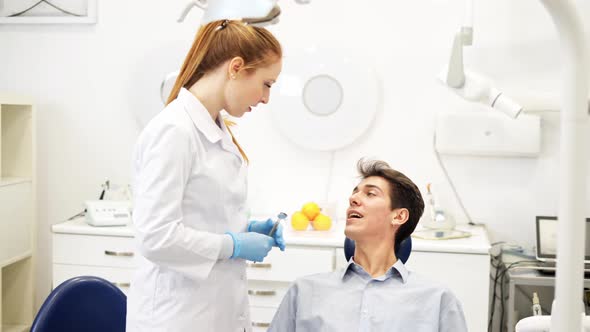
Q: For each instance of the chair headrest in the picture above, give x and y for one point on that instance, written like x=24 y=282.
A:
x=85 y=303
x=403 y=252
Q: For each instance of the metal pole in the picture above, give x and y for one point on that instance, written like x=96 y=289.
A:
x=573 y=168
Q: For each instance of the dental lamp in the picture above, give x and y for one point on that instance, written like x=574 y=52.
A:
x=575 y=126
x=255 y=12
x=249 y=11
x=477 y=88
x=470 y=85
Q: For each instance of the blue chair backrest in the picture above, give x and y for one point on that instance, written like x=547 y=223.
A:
x=89 y=304
x=403 y=252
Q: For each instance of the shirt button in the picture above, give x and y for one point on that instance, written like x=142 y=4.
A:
x=243 y=276
x=242 y=317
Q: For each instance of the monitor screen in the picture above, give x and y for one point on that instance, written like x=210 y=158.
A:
x=547 y=238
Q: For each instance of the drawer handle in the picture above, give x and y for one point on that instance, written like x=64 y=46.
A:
x=118 y=253
x=260 y=324
x=262 y=292
x=121 y=284
x=260 y=265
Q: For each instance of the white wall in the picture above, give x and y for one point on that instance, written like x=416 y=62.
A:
x=90 y=81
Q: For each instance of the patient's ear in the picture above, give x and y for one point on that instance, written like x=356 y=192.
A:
x=400 y=216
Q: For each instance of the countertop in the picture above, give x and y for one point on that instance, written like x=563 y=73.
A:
x=477 y=243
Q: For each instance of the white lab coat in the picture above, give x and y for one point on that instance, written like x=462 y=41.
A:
x=189 y=189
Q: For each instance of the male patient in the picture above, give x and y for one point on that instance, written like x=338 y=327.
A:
x=374 y=292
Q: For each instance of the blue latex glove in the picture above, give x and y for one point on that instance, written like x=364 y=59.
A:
x=251 y=245
x=264 y=227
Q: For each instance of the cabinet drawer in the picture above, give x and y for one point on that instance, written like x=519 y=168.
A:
x=294 y=262
x=16 y=217
x=266 y=293
x=94 y=250
x=119 y=276
x=261 y=317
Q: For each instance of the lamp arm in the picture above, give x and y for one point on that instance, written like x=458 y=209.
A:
x=455 y=72
x=455 y=75
x=467 y=28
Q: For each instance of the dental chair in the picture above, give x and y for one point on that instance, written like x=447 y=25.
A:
x=89 y=304
x=402 y=253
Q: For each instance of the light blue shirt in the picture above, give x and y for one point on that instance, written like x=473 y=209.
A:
x=352 y=300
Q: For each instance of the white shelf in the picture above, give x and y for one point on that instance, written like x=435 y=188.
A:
x=11 y=181
x=17 y=211
x=24 y=255
x=15 y=328
x=15 y=99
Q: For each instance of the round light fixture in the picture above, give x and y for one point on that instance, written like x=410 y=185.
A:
x=324 y=101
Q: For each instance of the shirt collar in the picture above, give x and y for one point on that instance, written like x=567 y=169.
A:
x=204 y=123
x=400 y=267
x=397 y=269
x=201 y=117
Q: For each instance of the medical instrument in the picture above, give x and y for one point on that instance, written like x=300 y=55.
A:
x=108 y=213
x=280 y=216
x=441 y=225
x=439 y=219
x=536 y=306
x=120 y=194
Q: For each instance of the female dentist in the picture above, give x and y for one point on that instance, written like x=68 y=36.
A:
x=190 y=217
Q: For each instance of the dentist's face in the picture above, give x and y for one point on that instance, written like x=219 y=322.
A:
x=369 y=214
x=248 y=88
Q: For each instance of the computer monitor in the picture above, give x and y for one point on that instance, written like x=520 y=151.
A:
x=547 y=239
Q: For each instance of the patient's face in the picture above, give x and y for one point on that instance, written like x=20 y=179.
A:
x=369 y=213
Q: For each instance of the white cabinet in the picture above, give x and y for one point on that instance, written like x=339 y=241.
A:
x=108 y=252
x=17 y=212
x=80 y=249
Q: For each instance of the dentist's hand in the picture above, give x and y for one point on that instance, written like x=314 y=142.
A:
x=251 y=246
x=264 y=227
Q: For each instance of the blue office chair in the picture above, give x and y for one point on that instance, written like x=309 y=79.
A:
x=89 y=304
x=403 y=252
